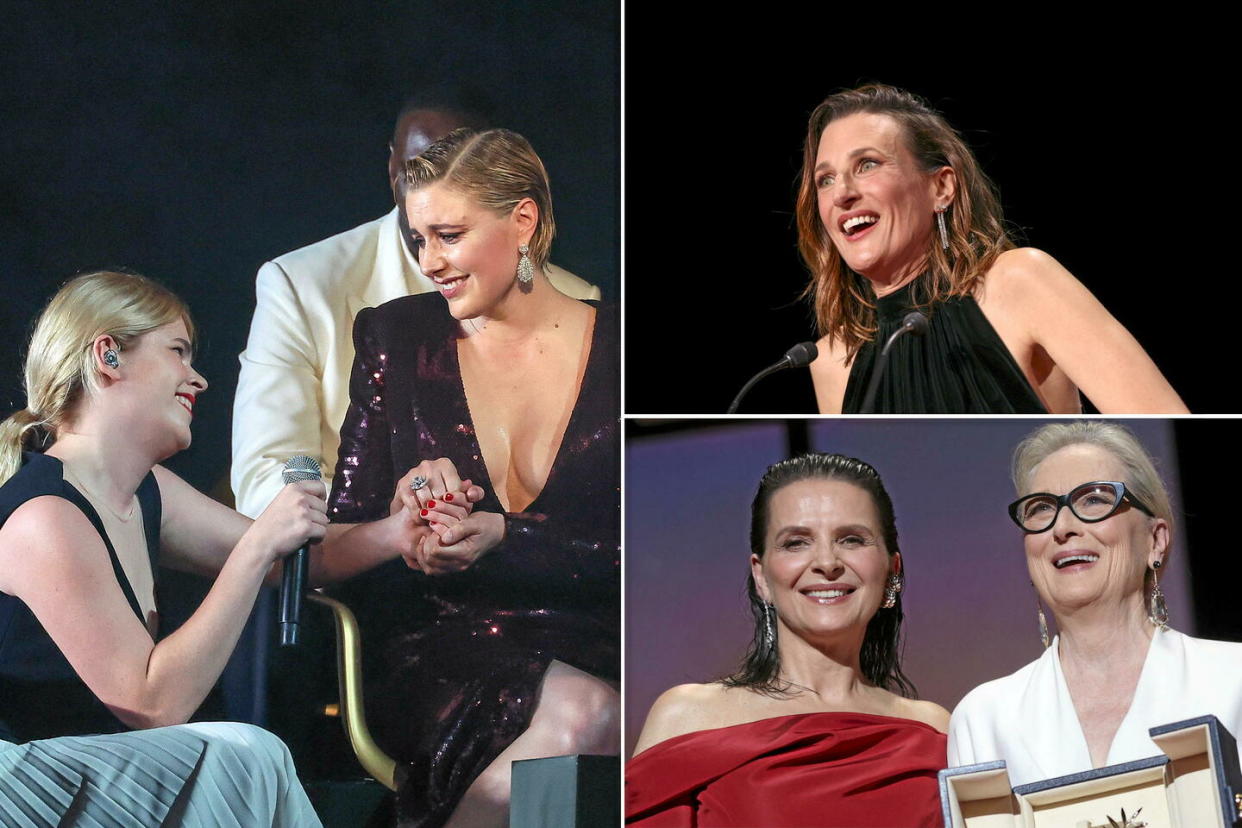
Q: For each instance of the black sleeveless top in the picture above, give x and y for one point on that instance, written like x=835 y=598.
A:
x=960 y=366
x=40 y=694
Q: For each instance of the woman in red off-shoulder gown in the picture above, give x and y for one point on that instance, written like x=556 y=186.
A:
x=818 y=727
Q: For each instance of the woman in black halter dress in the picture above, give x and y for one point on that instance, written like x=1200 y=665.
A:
x=895 y=217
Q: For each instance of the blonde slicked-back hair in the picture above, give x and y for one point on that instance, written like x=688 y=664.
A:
x=1141 y=476
x=843 y=301
x=497 y=168
x=60 y=366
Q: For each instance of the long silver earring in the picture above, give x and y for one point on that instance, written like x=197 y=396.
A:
x=1157 y=610
x=944 y=233
x=892 y=588
x=769 y=626
x=110 y=358
x=1043 y=625
x=525 y=270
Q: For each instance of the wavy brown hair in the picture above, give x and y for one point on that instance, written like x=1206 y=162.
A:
x=843 y=300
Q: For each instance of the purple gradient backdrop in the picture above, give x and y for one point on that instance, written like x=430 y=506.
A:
x=970 y=609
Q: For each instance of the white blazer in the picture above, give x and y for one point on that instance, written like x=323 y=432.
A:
x=293 y=389
x=1028 y=718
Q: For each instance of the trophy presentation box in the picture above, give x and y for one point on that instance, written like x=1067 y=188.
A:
x=1195 y=784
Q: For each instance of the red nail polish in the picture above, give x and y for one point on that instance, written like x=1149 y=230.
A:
x=430 y=504
x=423 y=513
x=449 y=497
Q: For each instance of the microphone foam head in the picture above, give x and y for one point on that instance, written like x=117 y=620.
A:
x=916 y=322
x=301 y=467
x=802 y=354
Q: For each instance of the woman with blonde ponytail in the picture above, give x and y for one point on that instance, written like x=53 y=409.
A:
x=86 y=514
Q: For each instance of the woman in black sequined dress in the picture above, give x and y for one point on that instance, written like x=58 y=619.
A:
x=895 y=216
x=497 y=638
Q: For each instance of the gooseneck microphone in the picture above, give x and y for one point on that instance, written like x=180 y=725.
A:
x=799 y=356
x=913 y=322
x=297 y=564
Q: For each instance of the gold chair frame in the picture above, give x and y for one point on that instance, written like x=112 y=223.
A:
x=374 y=761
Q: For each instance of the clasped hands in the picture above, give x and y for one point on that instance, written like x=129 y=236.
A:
x=444 y=534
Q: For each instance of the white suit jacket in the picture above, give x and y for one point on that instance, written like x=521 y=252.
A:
x=1028 y=718
x=293 y=389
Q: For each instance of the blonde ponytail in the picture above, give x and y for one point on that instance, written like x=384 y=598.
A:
x=60 y=367
x=17 y=433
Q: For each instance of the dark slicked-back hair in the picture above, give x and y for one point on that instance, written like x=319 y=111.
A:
x=880 y=657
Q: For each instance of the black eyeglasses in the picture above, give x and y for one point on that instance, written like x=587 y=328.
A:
x=1090 y=503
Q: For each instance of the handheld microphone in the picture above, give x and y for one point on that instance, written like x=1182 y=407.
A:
x=296 y=564
x=799 y=356
x=913 y=322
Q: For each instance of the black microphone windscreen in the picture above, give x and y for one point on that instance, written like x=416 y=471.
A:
x=301 y=467
x=802 y=354
x=916 y=322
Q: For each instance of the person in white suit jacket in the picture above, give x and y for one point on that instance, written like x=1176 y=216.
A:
x=1097 y=527
x=293 y=389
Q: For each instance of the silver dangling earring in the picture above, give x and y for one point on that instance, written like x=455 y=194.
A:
x=111 y=359
x=525 y=270
x=1043 y=625
x=892 y=588
x=1157 y=610
x=769 y=626
x=944 y=233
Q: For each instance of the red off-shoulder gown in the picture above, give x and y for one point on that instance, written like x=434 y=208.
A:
x=838 y=770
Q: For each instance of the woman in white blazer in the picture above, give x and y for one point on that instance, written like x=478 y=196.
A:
x=1097 y=526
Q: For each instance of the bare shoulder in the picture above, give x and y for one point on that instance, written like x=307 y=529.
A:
x=927 y=712
x=830 y=372
x=683 y=709
x=50 y=518
x=46 y=535
x=1022 y=272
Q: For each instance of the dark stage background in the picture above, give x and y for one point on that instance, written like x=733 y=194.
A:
x=970 y=609
x=195 y=141
x=1097 y=151
x=193 y=145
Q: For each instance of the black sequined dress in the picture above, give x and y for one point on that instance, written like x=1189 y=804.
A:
x=453 y=662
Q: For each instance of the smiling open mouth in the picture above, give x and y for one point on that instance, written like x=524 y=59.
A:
x=827 y=595
x=450 y=287
x=1071 y=560
x=851 y=227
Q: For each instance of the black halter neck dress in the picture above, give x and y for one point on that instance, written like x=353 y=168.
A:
x=960 y=366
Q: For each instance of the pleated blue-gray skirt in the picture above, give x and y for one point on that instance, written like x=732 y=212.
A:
x=210 y=774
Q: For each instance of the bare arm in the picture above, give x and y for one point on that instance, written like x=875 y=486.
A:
x=198 y=535
x=56 y=563
x=1094 y=350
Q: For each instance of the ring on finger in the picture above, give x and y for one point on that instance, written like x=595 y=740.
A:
x=418 y=482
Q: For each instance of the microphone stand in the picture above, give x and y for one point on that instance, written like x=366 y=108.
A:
x=914 y=322
x=799 y=356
